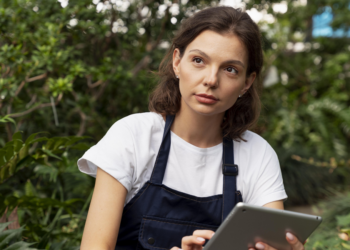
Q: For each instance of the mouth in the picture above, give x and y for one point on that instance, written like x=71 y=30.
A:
x=207 y=96
x=206 y=99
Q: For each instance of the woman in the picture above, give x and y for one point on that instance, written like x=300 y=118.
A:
x=169 y=177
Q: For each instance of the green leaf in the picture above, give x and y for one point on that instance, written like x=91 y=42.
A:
x=21 y=246
x=74 y=139
x=9 y=235
x=29 y=189
x=44 y=240
x=9 y=153
x=4 y=225
x=31 y=138
x=49 y=153
x=12 y=165
x=3 y=173
x=7 y=118
x=2 y=157
x=49 y=143
x=39 y=140
x=58 y=142
x=17 y=145
x=343 y=220
x=17 y=136
x=47 y=170
x=347 y=246
x=345 y=230
x=23 y=152
x=81 y=146
x=72 y=201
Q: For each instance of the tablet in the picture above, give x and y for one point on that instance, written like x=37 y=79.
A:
x=247 y=224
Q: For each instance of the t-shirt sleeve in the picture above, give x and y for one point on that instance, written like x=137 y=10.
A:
x=114 y=154
x=269 y=182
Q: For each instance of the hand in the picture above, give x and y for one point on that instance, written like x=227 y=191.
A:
x=292 y=240
x=195 y=241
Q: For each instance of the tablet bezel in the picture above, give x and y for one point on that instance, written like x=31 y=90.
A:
x=247 y=224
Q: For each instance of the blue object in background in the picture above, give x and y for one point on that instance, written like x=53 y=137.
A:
x=322 y=25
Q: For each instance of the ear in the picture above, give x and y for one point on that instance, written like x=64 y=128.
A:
x=248 y=82
x=176 y=61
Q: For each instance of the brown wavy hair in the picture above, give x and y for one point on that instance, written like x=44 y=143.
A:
x=166 y=97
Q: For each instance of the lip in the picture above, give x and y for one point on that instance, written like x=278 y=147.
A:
x=207 y=96
x=206 y=99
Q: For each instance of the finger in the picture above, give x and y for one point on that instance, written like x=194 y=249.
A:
x=206 y=234
x=294 y=242
x=192 y=242
x=176 y=248
x=263 y=246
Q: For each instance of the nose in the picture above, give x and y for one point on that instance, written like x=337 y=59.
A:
x=211 y=79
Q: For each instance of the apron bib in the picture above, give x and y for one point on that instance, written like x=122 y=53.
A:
x=158 y=217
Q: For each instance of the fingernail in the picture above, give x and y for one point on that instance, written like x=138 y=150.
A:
x=200 y=239
x=212 y=235
x=260 y=246
x=290 y=236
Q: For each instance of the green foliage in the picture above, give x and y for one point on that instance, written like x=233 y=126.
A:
x=39 y=176
x=11 y=239
x=18 y=154
x=95 y=72
x=7 y=118
x=306 y=113
x=60 y=85
x=75 y=70
x=336 y=214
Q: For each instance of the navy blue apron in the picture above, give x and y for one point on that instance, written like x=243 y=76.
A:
x=158 y=217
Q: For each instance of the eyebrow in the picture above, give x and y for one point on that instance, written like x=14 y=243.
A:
x=226 y=62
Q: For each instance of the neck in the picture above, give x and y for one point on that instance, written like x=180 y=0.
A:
x=199 y=130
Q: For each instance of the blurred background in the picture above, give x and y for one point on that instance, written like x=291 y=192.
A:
x=69 y=69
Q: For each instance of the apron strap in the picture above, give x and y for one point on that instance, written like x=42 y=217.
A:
x=162 y=157
x=230 y=171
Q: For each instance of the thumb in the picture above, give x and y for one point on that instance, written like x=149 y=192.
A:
x=294 y=242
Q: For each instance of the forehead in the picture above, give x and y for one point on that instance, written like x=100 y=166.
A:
x=222 y=47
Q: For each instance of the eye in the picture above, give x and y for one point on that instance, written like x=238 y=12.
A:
x=232 y=70
x=197 y=60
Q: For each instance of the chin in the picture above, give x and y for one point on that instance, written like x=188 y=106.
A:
x=203 y=109
x=207 y=110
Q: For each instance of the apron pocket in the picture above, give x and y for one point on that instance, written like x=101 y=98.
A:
x=162 y=233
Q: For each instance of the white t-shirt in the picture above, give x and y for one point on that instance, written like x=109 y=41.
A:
x=129 y=149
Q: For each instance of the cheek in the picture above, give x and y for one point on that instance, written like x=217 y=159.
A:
x=188 y=80
x=231 y=92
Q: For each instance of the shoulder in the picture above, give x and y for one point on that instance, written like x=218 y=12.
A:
x=142 y=131
x=253 y=140
x=261 y=179
x=147 y=117
x=255 y=146
x=140 y=123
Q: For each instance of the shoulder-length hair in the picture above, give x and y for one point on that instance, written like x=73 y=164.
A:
x=166 y=98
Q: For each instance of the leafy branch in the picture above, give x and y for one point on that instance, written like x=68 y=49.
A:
x=15 y=154
x=333 y=163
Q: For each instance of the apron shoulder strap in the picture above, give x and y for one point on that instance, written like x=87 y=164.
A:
x=230 y=172
x=163 y=153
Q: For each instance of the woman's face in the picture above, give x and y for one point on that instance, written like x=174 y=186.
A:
x=212 y=72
